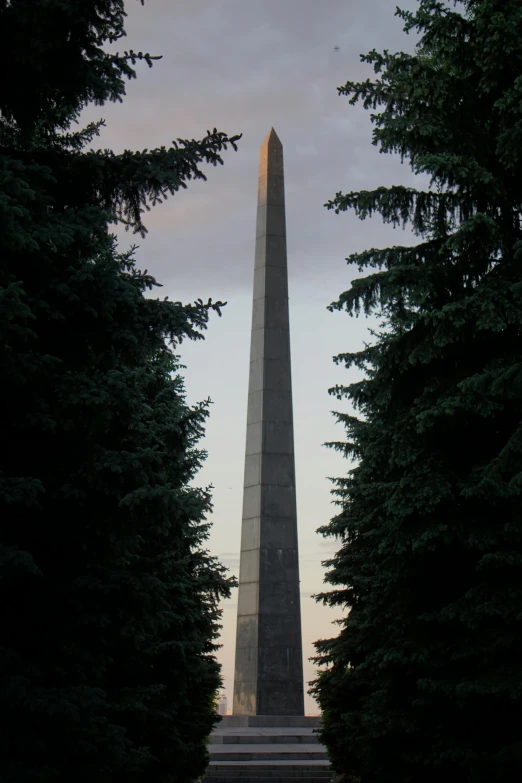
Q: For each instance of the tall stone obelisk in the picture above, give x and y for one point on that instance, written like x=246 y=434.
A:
x=269 y=661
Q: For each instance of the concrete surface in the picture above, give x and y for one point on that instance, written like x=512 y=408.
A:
x=268 y=678
x=267 y=753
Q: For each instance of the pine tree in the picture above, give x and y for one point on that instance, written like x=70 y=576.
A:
x=110 y=599
x=424 y=680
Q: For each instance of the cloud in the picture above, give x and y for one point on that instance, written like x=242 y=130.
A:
x=244 y=67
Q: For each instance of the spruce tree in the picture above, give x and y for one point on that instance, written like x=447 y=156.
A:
x=110 y=600
x=424 y=680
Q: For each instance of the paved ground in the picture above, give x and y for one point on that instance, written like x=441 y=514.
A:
x=271 y=763
x=264 y=730
x=267 y=754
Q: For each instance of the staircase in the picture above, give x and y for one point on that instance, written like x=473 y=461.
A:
x=267 y=749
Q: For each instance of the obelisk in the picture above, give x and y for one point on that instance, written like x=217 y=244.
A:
x=269 y=661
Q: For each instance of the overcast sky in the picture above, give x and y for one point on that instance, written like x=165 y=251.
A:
x=243 y=66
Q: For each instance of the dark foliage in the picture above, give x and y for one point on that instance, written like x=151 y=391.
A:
x=109 y=597
x=424 y=682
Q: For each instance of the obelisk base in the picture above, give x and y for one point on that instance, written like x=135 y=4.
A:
x=267 y=749
x=270 y=721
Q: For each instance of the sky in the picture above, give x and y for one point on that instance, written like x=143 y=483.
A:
x=244 y=66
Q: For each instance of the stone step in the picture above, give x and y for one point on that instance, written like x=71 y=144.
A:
x=258 y=771
x=285 y=738
x=225 y=772
x=293 y=765
x=264 y=735
x=268 y=778
x=253 y=756
x=267 y=749
x=263 y=752
x=295 y=721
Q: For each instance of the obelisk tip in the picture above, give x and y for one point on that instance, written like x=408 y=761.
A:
x=272 y=137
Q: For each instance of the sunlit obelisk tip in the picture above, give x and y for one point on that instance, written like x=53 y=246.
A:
x=269 y=666
x=272 y=136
